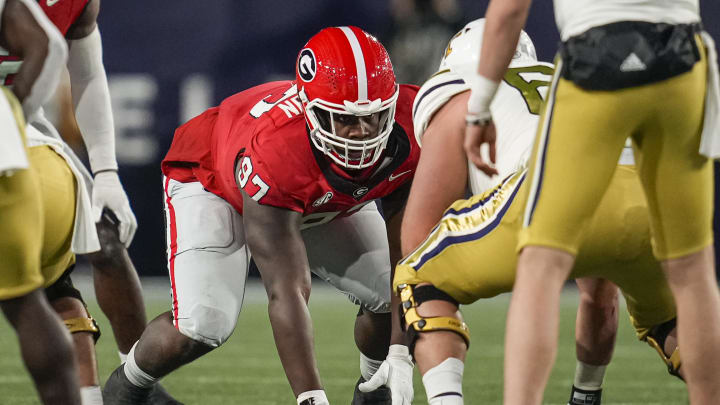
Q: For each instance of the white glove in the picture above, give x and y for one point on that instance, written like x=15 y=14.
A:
x=396 y=372
x=108 y=192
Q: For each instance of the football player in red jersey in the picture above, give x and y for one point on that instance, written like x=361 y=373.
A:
x=289 y=172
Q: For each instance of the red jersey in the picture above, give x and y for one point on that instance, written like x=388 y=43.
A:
x=62 y=13
x=257 y=140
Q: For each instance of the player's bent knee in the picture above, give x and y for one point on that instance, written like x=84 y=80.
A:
x=656 y=339
x=207 y=325
x=414 y=323
x=69 y=304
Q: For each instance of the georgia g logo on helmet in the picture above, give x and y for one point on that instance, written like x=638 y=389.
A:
x=306 y=65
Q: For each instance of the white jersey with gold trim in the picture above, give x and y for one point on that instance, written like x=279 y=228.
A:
x=514 y=109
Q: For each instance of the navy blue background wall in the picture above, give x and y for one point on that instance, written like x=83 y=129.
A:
x=168 y=61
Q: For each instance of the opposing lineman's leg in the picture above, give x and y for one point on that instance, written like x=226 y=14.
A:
x=208 y=266
x=440 y=356
x=595 y=332
x=70 y=308
x=117 y=287
x=534 y=311
x=694 y=285
x=372 y=338
x=45 y=346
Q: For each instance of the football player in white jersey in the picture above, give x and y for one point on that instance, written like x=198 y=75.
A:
x=627 y=69
x=44 y=341
x=441 y=100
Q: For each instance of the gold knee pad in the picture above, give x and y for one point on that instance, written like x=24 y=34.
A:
x=414 y=323
x=88 y=324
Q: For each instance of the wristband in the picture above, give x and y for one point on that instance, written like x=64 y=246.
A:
x=482 y=91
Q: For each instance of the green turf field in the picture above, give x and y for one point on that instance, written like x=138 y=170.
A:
x=246 y=369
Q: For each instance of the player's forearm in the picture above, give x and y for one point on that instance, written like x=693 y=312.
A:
x=504 y=21
x=91 y=99
x=292 y=329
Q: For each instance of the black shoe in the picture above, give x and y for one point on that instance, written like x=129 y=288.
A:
x=584 y=397
x=120 y=391
x=159 y=396
x=380 y=396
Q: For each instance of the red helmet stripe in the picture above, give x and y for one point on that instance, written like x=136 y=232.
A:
x=359 y=62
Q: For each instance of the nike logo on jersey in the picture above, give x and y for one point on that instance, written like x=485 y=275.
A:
x=395 y=176
x=51 y=3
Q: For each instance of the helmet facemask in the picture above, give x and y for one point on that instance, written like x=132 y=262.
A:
x=323 y=117
x=348 y=94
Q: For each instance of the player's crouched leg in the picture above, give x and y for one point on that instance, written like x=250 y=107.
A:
x=438 y=339
x=164 y=347
x=68 y=303
x=135 y=381
x=372 y=337
x=200 y=321
x=208 y=265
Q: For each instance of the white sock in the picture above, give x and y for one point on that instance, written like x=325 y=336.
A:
x=589 y=377
x=135 y=374
x=123 y=357
x=91 y=395
x=318 y=396
x=368 y=367
x=443 y=383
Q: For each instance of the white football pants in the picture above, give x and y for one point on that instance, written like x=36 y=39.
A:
x=209 y=260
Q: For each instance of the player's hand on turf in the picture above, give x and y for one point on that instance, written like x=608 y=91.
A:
x=475 y=136
x=396 y=373
x=108 y=192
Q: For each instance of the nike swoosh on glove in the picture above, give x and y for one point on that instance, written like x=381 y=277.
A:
x=108 y=192
x=396 y=372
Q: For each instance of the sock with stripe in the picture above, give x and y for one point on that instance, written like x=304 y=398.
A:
x=135 y=374
x=443 y=383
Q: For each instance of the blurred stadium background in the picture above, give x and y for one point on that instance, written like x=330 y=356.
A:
x=168 y=61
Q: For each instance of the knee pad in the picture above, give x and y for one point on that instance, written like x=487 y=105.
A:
x=207 y=325
x=656 y=339
x=88 y=324
x=413 y=324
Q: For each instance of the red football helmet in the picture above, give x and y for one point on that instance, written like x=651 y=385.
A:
x=346 y=71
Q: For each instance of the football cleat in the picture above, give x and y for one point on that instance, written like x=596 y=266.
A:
x=585 y=397
x=119 y=390
x=380 y=396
